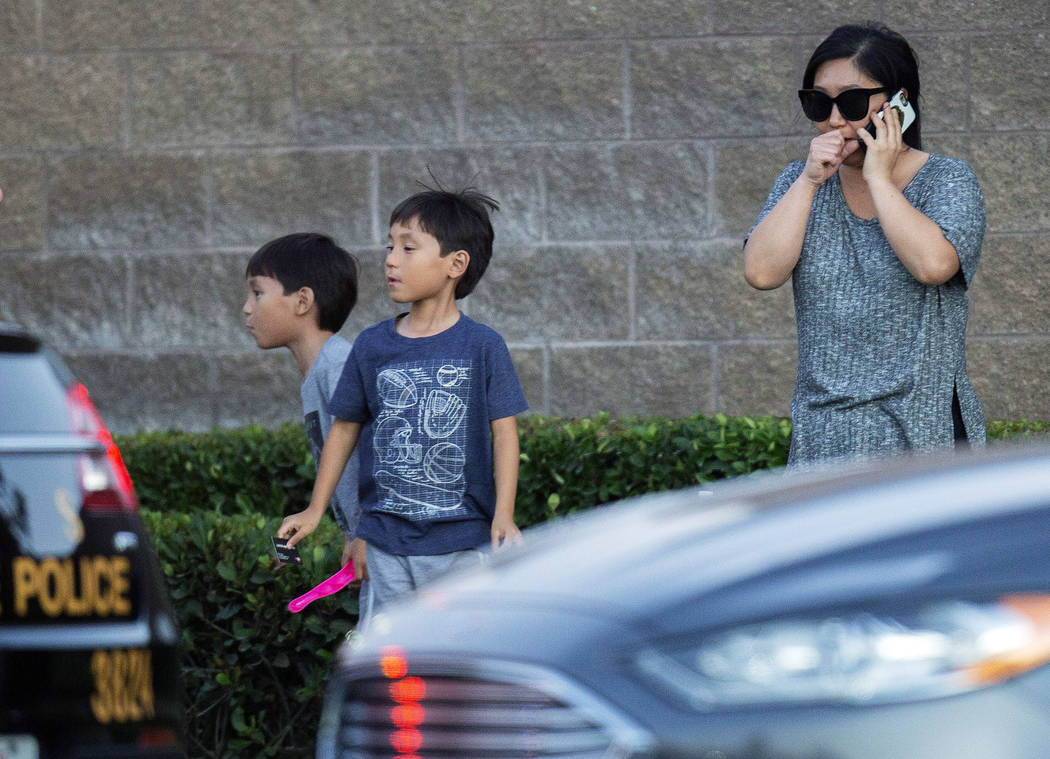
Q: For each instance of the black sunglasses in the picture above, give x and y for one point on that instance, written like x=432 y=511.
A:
x=853 y=104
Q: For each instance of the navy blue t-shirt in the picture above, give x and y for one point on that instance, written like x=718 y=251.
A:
x=425 y=403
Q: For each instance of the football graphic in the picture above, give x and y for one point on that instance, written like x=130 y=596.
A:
x=397 y=389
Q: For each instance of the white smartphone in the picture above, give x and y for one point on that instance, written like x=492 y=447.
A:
x=905 y=112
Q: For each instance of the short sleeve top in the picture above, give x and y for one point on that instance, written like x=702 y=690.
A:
x=425 y=405
x=881 y=355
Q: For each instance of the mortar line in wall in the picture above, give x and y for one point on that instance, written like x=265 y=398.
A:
x=128 y=109
x=632 y=293
x=45 y=202
x=716 y=377
x=293 y=116
x=129 y=296
x=373 y=198
x=459 y=95
x=628 y=101
x=39 y=12
x=547 y=378
x=712 y=186
x=209 y=198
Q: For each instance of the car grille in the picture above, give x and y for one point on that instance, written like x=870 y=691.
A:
x=439 y=716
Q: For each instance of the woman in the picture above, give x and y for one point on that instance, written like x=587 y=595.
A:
x=881 y=241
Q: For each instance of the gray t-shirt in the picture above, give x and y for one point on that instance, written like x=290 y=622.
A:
x=316 y=393
x=879 y=353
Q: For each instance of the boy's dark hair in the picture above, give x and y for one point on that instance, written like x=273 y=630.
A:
x=310 y=259
x=882 y=54
x=458 y=220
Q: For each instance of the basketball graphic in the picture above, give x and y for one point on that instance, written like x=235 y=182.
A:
x=448 y=376
x=397 y=389
x=444 y=462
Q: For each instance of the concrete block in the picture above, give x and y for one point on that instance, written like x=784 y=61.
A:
x=62 y=102
x=744 y=175
x=74 y=302
x=544 y=92
x=399 y=21
x=369 y=95
x=1011 y=376
x=1010 y=75
x=189 y=300
x=1012 y=170
x=22 y=210
x=581 y=19
x=711 y=88
x=627 y=192
x=556 y=293
x=208 y=99
x=259 y=196
x=529 y=364
x=256 y=388
x=126 y=201
x=148 y=391
x=511 y=175
x=690 y=292
x=816 y=17
x=1008 y=295
x=18 y=27
x=373 y=297
x=120 y=25
x=967 y=14
x=647 y=380
x=944 y=100
x=756 y=378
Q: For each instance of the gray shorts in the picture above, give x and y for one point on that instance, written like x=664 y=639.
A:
x=392 y=576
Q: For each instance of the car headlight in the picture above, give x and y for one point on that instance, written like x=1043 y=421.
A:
x=941 y=649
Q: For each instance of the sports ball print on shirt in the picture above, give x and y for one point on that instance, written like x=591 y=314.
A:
x=420 y=439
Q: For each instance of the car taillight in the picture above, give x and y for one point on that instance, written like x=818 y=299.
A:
x=104 y=479
x=407 y=716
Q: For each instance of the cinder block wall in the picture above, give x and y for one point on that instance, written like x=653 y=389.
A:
x=146 y=149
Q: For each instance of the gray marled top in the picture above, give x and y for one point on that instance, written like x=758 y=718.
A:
x=878 y=351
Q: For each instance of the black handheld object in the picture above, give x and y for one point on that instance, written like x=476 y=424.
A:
x=286 y=555
x=905 y=112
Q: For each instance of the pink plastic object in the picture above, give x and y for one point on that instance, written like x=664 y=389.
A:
x=333 y=584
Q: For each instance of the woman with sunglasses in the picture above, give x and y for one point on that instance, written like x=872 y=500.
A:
x=881 y=241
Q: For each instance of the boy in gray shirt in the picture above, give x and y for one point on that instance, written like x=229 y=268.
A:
x=301 y=289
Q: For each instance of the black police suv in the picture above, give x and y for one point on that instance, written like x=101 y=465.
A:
x=88 y=640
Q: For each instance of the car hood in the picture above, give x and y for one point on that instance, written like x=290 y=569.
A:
x=661 y=560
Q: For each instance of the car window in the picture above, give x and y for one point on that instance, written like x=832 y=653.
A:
x=31 y=395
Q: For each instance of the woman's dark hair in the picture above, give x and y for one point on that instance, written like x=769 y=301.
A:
x=880 y=53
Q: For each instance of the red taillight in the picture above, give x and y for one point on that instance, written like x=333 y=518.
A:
x=408 y=716
x=104 y=479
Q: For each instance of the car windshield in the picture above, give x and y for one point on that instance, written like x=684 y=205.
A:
x=32 y=398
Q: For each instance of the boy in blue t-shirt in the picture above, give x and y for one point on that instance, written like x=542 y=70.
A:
x=432 y=396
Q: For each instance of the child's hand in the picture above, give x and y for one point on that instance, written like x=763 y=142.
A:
x=355 y=550
x=297 y=526
x=504 y=533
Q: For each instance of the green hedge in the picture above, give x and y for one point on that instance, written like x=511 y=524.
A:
x=254 y=672
x=566 y=465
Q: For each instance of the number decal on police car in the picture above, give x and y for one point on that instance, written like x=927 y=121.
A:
x=123 y=685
